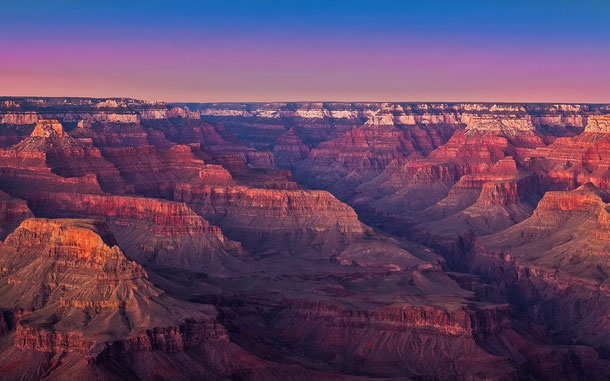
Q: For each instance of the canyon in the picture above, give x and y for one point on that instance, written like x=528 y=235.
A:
x=303 y=240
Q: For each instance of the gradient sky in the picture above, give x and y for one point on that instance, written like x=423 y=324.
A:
x=359 y=50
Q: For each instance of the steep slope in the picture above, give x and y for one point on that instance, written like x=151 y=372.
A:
x=155 y=232
x=478 y=204
x=306 y=224
x=556 y=262
x=73 y=290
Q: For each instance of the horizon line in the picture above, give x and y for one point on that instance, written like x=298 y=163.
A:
x=304 y=101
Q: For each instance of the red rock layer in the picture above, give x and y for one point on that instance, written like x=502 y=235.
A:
x=23 y=171
x=561 y=252
x=153 y=231
x=386 y=337
x=156 y=173
x=254 y=215
x=419 y=184
x=69 y=157
x=479 y=204
x=322 y=291
x=91 y=293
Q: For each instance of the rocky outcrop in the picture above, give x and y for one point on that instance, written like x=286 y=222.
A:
x=83 y=272
x=559 y=252
x=156 y=173
x=361 y=153
x=417 y=184
x=46 y=128
x=320 y=207
x=598 y=125
x=290 y=150
x=82 y=299
x=22 y=171
x=571 y=162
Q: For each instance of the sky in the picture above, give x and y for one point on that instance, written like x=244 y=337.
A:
x=359 y=50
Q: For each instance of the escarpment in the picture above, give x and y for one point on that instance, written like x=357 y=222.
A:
x=332 y=333
x=152 y=231
x=81 y=292
x=303 y=240
x=561 y=251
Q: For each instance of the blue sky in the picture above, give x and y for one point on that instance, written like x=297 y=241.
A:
x=329 y=50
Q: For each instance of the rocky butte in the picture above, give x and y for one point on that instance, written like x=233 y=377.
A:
x=303 y=240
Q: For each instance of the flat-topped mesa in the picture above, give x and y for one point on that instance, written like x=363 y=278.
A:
x=505 y=184
x=71 y=240
x=587 y=197
x=46 y=128
x=506 y=166
x=598 y=124
x=319 y=208
x=310 y=224
x=165 y=217
x=506 y=126
x=500 y=193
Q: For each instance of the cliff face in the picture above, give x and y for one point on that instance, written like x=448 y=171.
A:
x=304 y=224
x=378 y=341
x=561 y=251
x=598 y=125
x=65 y=270
x=146 y=213
x=151 y=231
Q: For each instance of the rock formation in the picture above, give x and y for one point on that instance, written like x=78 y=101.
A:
x=561 y=251
x=303 y=240
x=78 y=292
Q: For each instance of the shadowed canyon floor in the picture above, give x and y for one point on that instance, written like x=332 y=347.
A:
x=298 y=241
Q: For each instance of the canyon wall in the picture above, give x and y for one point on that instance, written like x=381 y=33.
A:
x=303 y=240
